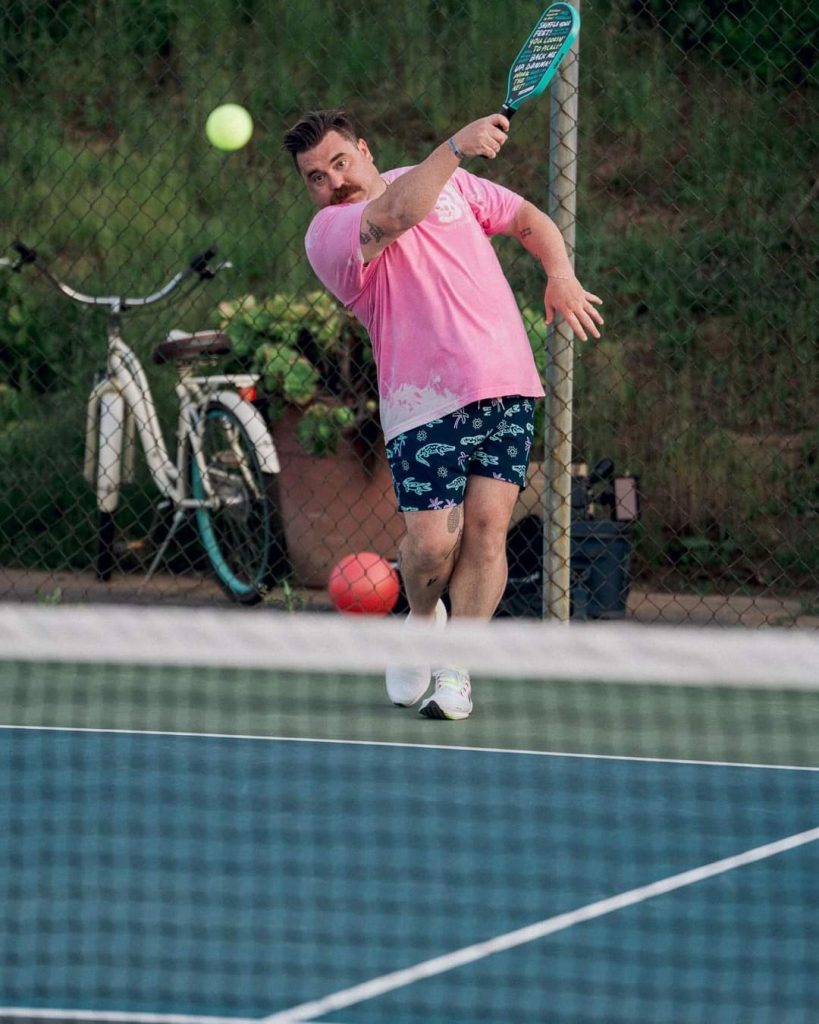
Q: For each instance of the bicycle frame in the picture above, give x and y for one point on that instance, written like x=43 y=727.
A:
x=121 y=406
x=194 y=394
x=224 y=451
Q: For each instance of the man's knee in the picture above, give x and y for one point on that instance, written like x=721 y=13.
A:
x=427 y=552
x=484 y=539
x=487 y=521
x=485 y=529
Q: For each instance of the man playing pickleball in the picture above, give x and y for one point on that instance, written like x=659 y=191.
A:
x=408 y=252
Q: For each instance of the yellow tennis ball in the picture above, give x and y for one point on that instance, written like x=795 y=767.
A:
x=229 y=127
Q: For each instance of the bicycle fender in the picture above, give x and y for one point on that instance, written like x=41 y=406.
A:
x=109 y=450
x=92 y=413
x=253 y=422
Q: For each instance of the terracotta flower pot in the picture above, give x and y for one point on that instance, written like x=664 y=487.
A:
x=333 y=506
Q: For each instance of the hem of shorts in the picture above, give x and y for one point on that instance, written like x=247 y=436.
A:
x=521 y=487
x=480 y=396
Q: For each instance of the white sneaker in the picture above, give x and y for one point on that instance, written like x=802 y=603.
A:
x=452 y=698
x=407 y=685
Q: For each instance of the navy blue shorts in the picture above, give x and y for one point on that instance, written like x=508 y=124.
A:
x=492 y=437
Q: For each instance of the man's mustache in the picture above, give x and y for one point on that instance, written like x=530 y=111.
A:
x=340 y=194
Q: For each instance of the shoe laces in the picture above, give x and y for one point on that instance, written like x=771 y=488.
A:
x=452 y=679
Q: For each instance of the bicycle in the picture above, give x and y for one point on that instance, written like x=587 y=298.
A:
x=225 y=463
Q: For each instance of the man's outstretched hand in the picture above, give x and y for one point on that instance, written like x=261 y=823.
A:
x=578 y=307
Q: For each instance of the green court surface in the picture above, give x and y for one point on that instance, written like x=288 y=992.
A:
x=767 y=726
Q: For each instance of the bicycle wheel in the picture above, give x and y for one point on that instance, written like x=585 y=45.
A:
x=238 y=528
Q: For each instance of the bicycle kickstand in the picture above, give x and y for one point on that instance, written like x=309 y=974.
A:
x=178 y=516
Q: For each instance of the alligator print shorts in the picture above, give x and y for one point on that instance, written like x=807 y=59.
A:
x=491 y=437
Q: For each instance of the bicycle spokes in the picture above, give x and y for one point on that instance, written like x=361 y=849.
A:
x=232 y=513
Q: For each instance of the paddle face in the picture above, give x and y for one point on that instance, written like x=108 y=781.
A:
x=535 y=65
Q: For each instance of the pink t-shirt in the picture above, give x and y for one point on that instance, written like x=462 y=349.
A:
x=443 y=321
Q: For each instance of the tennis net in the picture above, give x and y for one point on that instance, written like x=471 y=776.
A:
x=214 y=816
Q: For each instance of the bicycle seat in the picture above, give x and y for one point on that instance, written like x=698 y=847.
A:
x=181 y=346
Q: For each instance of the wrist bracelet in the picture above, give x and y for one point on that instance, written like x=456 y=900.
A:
x=453 y=146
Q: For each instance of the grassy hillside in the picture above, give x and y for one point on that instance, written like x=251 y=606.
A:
x=694 y=223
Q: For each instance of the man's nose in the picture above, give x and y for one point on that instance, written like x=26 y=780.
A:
x=335 y=179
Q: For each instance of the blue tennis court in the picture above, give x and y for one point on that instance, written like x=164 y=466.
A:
x=218 y=818
x=216 y=876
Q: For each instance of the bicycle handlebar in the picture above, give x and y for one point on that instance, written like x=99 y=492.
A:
x=200 y=265
x=24 y=255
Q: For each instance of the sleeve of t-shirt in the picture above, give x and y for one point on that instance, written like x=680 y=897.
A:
x=333 y=248
x=494 y=206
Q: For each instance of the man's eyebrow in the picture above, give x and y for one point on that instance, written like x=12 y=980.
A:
x=317 y=170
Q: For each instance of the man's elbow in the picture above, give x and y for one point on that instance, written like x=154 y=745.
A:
x=403 y=216
x=527 y=212
x=385 y=220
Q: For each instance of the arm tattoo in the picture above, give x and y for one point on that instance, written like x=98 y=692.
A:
x=375 y=234
x=525 y=232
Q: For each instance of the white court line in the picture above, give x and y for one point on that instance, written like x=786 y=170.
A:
x=470 y=954
x=408 y=746
x=442 y=964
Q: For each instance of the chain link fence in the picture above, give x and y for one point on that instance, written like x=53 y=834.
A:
x=676 y=475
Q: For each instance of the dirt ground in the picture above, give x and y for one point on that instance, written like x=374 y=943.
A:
x=644 y=605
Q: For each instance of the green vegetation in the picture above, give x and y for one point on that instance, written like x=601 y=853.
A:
x=694 y=222
x=310 y=355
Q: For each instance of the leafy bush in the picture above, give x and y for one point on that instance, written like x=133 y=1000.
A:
x=39 y=349
x=311 y=355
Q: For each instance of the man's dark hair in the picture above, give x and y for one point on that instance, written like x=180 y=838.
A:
x=313 y=126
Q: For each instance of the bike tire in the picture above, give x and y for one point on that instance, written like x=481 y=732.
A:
x=239 y=537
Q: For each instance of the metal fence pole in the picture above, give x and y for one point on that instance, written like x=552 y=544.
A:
x=560 y=351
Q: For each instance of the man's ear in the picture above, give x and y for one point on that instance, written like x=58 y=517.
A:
x=364 y=149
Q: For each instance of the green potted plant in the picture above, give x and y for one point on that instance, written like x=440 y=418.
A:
x=313 y=359
x=318 y=387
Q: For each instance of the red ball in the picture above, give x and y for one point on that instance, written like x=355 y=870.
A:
x=364 y=584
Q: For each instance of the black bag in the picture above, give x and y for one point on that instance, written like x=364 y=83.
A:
x=523 y=595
